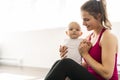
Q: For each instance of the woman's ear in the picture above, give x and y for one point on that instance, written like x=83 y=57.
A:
x=99 y=17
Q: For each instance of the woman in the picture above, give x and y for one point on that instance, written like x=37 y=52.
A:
x=99 y=50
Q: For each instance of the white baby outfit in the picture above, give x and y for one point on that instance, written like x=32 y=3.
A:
x=73 y=51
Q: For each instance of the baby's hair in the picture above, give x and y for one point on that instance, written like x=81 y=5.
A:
x=94 y=7
x=73 y=22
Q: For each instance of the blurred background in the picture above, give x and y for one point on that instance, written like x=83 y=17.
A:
x=31 y=31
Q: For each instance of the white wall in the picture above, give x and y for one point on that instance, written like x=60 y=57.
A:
x=37 y=48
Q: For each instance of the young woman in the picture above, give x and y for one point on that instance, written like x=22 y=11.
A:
x=99 y=50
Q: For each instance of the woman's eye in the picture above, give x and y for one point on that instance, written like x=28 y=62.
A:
x=86 y=19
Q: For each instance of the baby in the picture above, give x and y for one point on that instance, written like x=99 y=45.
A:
x=73 y=32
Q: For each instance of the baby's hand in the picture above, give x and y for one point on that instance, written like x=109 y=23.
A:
x=63 y=51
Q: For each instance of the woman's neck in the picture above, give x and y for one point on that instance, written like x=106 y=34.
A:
x=98 y=30
x=95 y=35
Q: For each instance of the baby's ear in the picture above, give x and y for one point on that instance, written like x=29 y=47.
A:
x=66 y=32
x=80 y=33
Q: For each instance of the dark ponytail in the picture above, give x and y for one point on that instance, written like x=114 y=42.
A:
x=94 y=7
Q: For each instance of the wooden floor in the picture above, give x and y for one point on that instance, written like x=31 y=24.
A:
x=37 y=73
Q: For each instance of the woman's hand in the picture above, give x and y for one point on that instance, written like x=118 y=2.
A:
x=63 y=51
x=84 y=47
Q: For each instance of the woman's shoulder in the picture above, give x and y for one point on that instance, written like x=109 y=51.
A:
x=109 y=35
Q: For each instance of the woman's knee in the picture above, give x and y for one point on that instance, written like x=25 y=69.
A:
x=66 y=61
x=58 y=61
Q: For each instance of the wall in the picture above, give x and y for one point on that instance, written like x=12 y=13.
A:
x=37 y=48
x=34 y=48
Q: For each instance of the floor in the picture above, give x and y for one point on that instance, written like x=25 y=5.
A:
x=22 y=73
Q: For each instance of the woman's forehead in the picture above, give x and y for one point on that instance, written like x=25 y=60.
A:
x=85 y=14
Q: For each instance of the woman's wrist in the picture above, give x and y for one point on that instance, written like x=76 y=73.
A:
x=85 y=55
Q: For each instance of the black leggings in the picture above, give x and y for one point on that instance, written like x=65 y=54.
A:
x=68 y=68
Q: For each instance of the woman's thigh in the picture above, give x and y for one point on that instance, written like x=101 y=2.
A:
x=75 y=71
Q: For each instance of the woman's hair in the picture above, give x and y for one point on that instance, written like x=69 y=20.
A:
x=95 y=7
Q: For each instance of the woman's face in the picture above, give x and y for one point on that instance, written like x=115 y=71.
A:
x=89 y=21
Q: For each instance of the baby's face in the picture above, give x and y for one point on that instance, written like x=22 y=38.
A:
x=74 y=31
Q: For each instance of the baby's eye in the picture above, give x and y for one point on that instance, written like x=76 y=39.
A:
x=70 y=29
x=77 y=29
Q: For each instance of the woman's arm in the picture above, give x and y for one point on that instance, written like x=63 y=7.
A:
x=108 y=44
x=84 y=64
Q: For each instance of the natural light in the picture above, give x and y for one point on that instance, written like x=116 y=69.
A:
x=27 y=15
x=18 y=15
